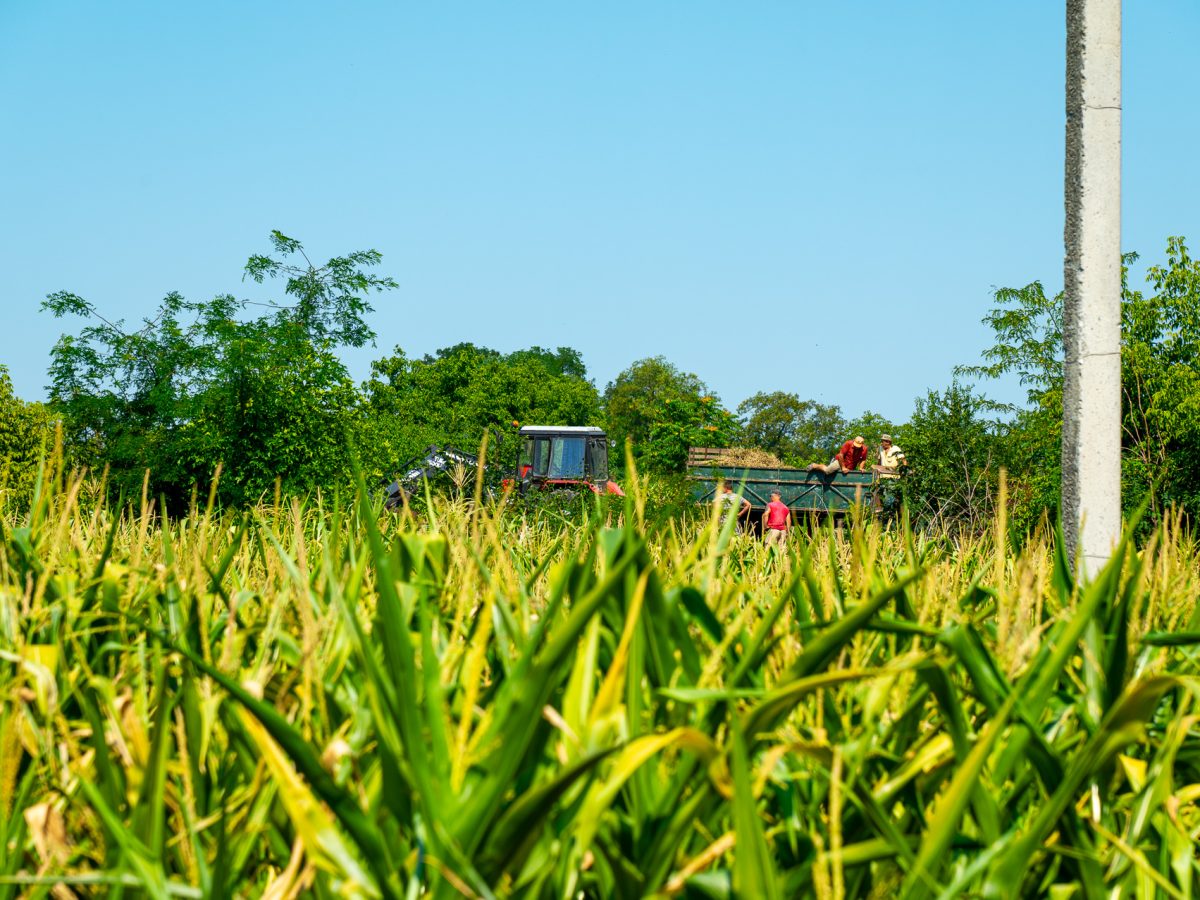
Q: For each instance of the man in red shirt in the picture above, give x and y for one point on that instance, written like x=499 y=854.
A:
x=775 y=520
x=851 y=456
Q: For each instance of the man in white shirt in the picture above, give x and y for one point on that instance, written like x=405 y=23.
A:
x=891 y=458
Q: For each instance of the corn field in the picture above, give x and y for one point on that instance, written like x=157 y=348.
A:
x=317 y=699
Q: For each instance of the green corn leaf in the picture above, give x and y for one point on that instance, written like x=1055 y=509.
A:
x=323 y=842
x=510 y=839
x=1170 y=638
x=111 y=781
x=133 y=853
x=1121 y=726
x=307 y=763
x=948 y=809
x=581 y=684
x=151 y=809
x=821 y=649
x=631 y=758
x=393 y=629
x=777 y=704
x=698 y=609
x=709 y=695
x=753 y=869
x=97 y=579
x=754 y=649
x=1116 y=634
x=519 y=707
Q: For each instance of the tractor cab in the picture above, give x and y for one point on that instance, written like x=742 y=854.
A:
x=554 y=456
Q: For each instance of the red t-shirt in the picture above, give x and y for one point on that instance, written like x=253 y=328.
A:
x=850 y=456
x=777 y=515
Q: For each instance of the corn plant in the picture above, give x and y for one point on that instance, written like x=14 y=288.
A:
x=318 y=698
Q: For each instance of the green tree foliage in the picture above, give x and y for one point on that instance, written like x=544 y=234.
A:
x=802 y=431
x=663 y=411
x=682 y=423
x=1029 y=344
x=954 y=451
x=26 y=432
x=450 y=397
x=1160 y=358
x=1160 y=362
x=797 y=431
x=634 y=399
x=870 y=425
x=200 y=383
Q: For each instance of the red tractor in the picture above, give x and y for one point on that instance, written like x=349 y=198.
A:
x=564 y=457
x=551 y=458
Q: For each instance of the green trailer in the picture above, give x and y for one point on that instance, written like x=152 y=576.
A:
x=801 y=490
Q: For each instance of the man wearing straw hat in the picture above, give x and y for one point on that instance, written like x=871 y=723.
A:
x=891 y=458
x=850 y=457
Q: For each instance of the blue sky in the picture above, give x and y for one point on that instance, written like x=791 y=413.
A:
x=817 y=198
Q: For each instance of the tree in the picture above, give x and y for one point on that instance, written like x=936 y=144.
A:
x=797 y=431
x=1160 y=359
x=1161 y=384
x=26 y=435
x=563 y=361
x=637 y=400
x=1029 y=344
x=954 y=453
x=870 y=425
x=681 y=423
x=200 y=384
x=1160 y=377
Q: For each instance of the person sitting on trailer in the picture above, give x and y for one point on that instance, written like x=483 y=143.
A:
x=728 y=501
x=851 y=456
x=891 y=458
x=891 y=461
x=775 y=520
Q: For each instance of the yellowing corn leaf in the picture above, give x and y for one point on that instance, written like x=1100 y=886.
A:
x=614 y=681
x=292 y=880
x=40 y=662
x=1189 y=793
x=49 y=833
x=134 y=729
x=935 y=752
x=11 y=752
x=1134 y=770
x=701 y=861
x=577 y=698
x=323 y=842
x=628 y=761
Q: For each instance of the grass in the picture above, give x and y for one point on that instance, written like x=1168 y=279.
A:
x=313 y=699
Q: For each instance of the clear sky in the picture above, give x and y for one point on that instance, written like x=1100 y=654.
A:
x=811 y=197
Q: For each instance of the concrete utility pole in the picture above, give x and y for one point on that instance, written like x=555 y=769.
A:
x=1091 y=451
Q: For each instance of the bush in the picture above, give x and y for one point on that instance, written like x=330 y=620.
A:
x=26 y=434
x=954 y=459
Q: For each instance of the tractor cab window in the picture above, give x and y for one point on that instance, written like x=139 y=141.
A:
x=535 y=457
x=597 y=459
x=566 y=461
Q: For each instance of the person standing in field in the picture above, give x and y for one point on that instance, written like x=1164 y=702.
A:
x=727 y=502
x=776 y=519
x=851 y=456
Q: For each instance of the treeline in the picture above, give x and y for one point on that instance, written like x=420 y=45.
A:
x=260 y=392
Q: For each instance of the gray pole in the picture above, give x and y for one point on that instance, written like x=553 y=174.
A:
x=1091 y=449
